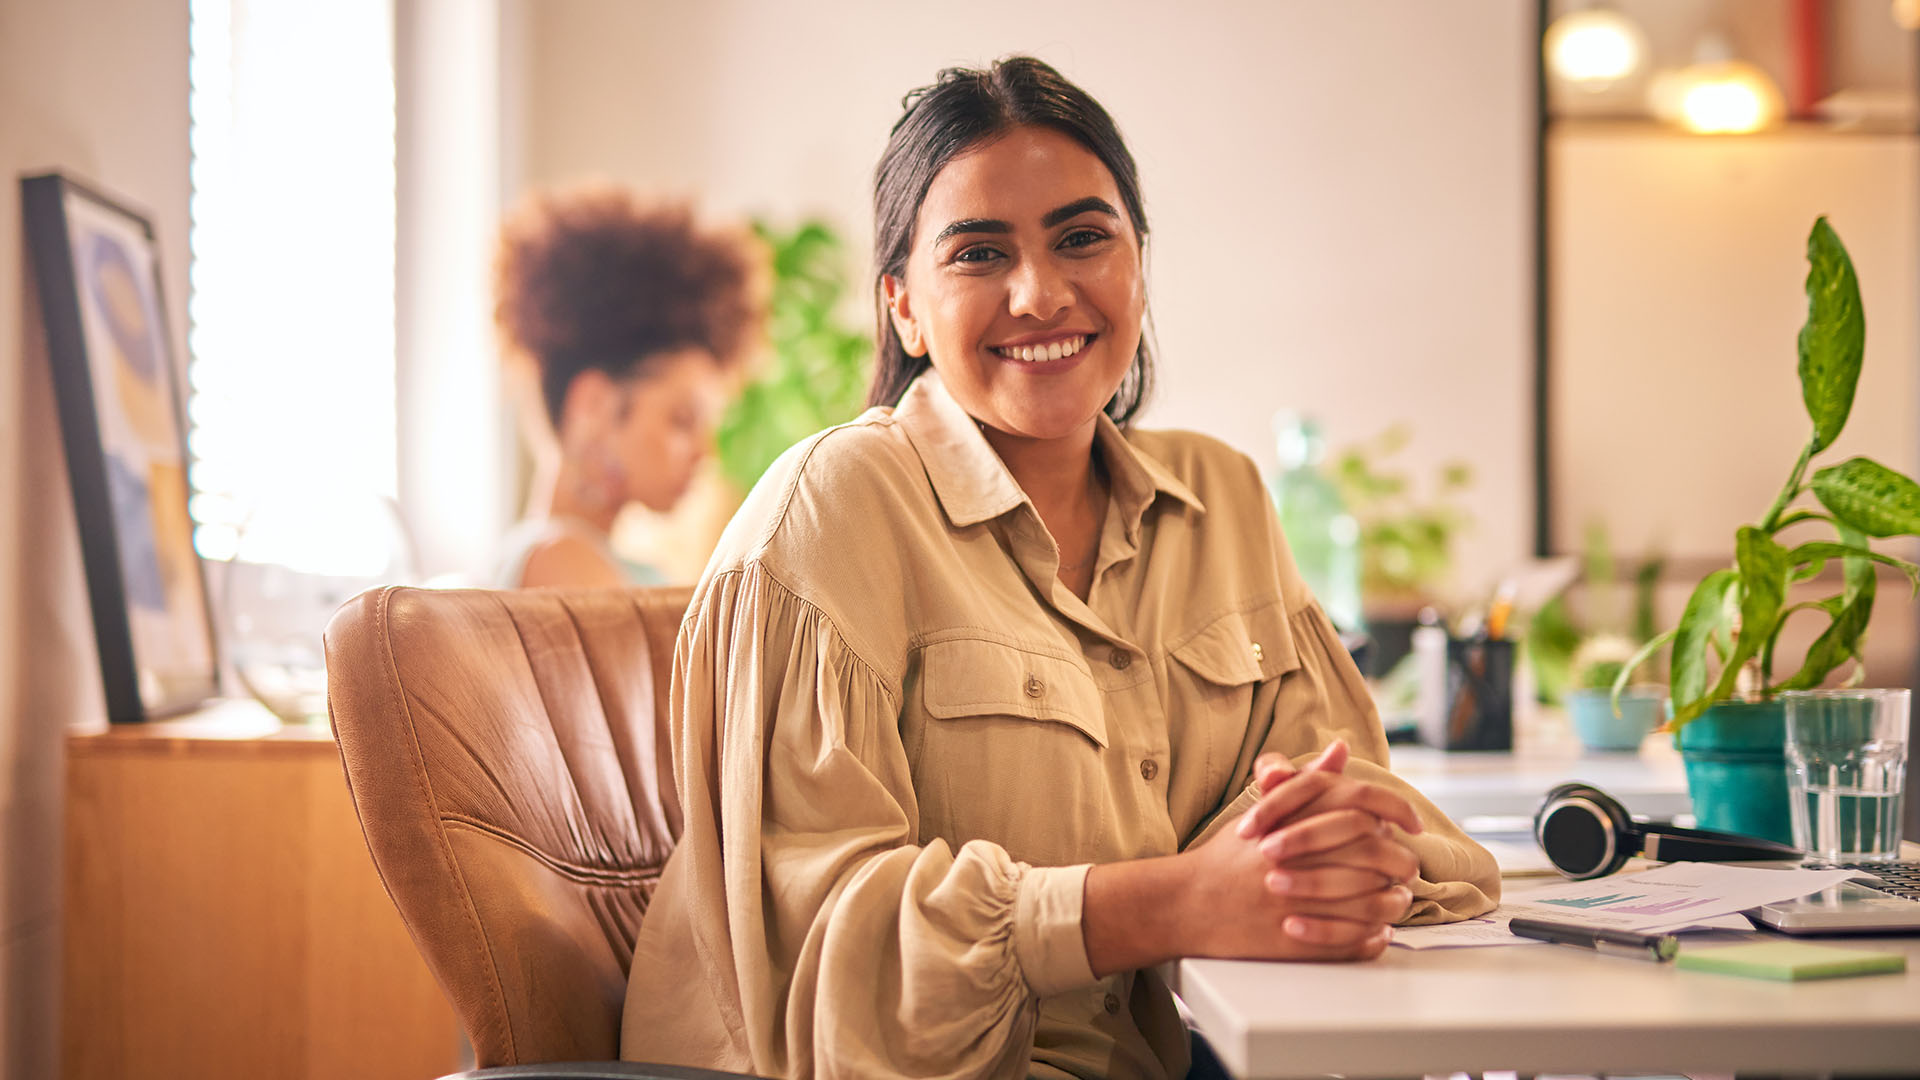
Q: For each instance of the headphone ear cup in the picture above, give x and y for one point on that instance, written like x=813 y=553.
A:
x=1584 y=832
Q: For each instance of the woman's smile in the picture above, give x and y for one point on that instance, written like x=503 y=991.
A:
x=1046 y=354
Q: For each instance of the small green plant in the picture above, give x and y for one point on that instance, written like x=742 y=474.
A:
x=1598 y=675
x=818 y=374
x=1565 y=651
x=1735 y=615
x=1406 y=544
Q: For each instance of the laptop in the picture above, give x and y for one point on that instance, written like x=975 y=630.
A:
x=1886 y=903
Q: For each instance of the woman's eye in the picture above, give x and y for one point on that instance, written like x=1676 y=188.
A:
x=1082 y=238
x=976 y=255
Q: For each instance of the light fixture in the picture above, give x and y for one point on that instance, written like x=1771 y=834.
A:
x=1593 y=48
x=1906 y=14
x=1716 y=94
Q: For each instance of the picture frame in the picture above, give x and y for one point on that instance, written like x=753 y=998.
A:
x=95 y=264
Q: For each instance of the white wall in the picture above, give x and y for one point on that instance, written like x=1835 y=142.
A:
x=99 y=88
x=1340 y=193
x=1677 y=294
x=455 y=441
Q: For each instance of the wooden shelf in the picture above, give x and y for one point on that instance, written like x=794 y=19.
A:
x=223 y=917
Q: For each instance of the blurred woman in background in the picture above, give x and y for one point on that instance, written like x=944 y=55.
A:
x=633 y=318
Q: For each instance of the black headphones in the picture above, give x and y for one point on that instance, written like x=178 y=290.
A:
x=1586 y=833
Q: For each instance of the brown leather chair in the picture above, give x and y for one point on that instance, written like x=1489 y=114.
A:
x=508 y=757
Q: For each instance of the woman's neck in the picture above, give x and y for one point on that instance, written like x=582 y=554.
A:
x=566 y=488
x=1068 y=491
x=1057 y=474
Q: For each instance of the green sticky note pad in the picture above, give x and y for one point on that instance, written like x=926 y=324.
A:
x=1790 y=961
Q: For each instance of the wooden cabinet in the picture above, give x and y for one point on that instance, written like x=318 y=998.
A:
x=223 y=917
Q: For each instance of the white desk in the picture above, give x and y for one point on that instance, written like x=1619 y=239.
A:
x=1549 y=1008
x=1469 y=785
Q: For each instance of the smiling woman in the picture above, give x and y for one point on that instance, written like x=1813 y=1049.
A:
x=987 y=705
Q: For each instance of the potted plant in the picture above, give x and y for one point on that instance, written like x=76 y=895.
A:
x=1577 y=642
x=1600 y=719
x=1406 y=542
x=1724 y=667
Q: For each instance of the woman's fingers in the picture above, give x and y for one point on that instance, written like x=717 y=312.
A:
x=1285 y=800
x=1331 y=881
x=1382 y=802
x=1387 y=860
x=1320 y=788
x=1270 y=770
x=1318 y=833
x=1387 y=905
x=1349 y=939
x=1333 y=758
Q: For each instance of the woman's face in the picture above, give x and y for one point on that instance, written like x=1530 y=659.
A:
x=665 y=426
x=1024 y=285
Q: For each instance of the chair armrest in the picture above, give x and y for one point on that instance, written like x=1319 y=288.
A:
x=596 y=1070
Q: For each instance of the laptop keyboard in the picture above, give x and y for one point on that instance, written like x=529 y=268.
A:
x=1900 y=879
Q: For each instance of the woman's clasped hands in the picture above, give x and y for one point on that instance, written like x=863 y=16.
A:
x=1313 y=871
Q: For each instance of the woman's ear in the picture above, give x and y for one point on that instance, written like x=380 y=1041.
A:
x=893 y=293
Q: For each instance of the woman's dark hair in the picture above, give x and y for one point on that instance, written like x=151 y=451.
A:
x=595 y=279
x=963 y=108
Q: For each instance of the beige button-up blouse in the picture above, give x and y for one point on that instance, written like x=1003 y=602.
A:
x=900 y=742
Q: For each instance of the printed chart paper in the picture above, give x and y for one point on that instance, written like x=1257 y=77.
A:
x=1675 y=894
x=1674 y=898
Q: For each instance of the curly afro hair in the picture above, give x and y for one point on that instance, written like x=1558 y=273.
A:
x=595 y=279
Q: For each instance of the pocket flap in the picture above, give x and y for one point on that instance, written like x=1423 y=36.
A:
x=1241 y=647
x=970 y=677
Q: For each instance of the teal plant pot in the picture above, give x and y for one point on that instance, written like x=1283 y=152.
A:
x=1736 y=760
x=1591 y=711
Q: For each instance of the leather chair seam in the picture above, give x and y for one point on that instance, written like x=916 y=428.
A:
x=417 y=763
x=590 y=875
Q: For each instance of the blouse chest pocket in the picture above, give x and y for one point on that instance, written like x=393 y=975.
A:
x=970 y=678
x=1239 y=648
x=1217 y=668
x=1007 y=745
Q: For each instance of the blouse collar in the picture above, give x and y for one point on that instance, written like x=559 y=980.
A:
x=973 y=484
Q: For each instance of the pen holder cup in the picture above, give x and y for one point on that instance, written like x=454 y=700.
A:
x=1479 y=697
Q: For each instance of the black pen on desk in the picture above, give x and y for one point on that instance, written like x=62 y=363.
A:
x=1658 y=948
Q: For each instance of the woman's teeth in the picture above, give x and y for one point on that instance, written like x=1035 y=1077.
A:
x=1034 y=354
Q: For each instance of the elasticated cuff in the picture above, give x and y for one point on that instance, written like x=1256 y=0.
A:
x=1047 y=939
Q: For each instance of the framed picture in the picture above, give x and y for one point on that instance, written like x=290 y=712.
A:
x=97 y=269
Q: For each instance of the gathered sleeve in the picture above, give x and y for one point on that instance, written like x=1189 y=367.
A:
x=842 y=946
x=1304 y=710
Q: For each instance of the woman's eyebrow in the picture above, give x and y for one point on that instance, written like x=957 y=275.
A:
x=1077 y=207
x=973 y=225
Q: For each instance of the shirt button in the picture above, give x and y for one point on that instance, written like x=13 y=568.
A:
x=1120 y=659
x=1112 y=1003
x=1034 y=686
x=1259 y=654
x=1149 y=769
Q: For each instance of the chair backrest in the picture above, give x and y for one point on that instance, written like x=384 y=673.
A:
x=508 y=757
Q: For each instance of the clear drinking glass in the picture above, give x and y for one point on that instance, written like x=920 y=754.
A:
x=1847 y=766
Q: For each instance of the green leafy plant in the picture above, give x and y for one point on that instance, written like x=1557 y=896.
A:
x=1598 y=675
x=1585 y=652
x=818 y=374
x=1735 y=615
x=1406 y=544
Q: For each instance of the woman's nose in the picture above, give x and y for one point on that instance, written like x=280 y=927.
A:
x=1038 y=290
